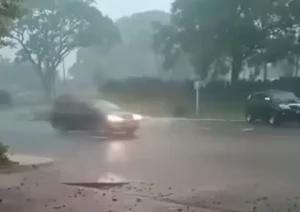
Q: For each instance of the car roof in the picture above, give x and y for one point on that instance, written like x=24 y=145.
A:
x=269 y=91
x=85 y=100
x=102 y=101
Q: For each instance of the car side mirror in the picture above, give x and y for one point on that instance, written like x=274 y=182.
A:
x=267 y=99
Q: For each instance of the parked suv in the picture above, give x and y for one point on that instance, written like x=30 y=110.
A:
x=273 y=106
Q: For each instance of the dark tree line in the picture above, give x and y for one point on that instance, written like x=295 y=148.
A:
x=241 y=32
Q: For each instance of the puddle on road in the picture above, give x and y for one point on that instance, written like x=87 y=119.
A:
x=112 y=178
x=109 y=180
x=247 y=129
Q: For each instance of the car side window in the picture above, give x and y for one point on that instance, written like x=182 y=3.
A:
x=257 y=97
x=260 y=97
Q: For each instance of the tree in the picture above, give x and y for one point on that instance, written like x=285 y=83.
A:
x=232 y=29
x=53 y=29
x=282 y=47
x=17 y=76
x=4 y=160
x=9 y=11
x=134 y=57
x=87 y=70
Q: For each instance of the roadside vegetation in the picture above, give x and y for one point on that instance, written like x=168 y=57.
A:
x=218 y=99
x=4 y=160
x=6 y=100
x=238 y=51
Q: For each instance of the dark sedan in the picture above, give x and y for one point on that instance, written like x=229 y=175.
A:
x=99 y=116
x=273 y=106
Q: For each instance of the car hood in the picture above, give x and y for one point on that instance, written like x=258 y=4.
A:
x=290 y=102
x=123 y=114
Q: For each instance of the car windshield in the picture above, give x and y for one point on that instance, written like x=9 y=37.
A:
x=106 y=106
x=284 y=97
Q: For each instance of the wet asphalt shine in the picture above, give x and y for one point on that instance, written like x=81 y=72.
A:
x=183 y=154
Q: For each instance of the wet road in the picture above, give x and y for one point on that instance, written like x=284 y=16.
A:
x=179 y=153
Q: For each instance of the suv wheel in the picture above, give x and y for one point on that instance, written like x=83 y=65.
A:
x=250 y=118
x=274 y=119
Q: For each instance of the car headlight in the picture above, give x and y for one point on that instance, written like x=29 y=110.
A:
x=284 y=106
x=114 y=118
x=137 y=117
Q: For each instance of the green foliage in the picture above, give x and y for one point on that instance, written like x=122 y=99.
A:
x=133 y=57
x=53 y=29
x=9 y=11
x=3 y=155
x=238 y=30
x=183 y=92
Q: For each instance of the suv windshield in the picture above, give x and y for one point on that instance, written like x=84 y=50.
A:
x=284 y=97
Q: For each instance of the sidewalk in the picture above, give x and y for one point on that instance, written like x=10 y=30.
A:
x=25 y=163
x=42 y=190
x=39 y=191
x=247 y=198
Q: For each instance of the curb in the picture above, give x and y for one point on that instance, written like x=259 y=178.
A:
x=194 y=119
x=23 y=163
x=22 y=168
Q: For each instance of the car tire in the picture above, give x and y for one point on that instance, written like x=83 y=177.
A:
x=60 y=128
x=249 y=117
x=130 y=133
x=275 y=120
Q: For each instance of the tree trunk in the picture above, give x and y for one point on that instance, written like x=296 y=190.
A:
x=46 y=84
x=265 y=77
x=254 y=74
x=236 y=69
x=296 y=65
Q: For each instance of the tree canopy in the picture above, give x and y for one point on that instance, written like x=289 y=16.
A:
x=17 y=76
x=49 y=31
x=134 y=57
x=9 y=11
x=237 y=30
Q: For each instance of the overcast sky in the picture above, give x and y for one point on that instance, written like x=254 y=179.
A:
x=118 y=8
x=114 y=9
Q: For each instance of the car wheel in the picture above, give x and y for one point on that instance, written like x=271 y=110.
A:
x=130 y=133
x=55 y=125
x=60 y=128
x=97 y=130
x=274 y=119
x=249 y=118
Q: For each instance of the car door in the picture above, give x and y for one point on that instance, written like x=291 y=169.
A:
x=262 y=106
x=258 y=105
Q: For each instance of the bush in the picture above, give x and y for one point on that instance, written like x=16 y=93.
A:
x=3 y=155
x=5 y=98
x=148 y=88
x=179 y=111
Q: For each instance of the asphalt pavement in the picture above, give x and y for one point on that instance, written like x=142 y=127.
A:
x=180 y=155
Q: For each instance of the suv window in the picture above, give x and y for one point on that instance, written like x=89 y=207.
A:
x=258 y=96
x=284 y=97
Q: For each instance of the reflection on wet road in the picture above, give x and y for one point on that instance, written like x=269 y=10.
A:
x=179 y=153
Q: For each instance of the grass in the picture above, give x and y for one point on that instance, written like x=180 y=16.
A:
x=169 y=106
x=166 y=107
x=221 y=110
